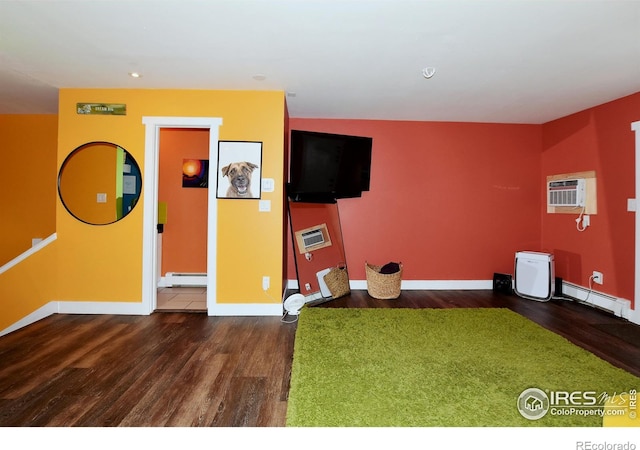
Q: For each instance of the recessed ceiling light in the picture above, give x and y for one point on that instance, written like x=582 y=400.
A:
x=134 y=75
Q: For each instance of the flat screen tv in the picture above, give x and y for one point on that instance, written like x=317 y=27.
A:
x=325 y=167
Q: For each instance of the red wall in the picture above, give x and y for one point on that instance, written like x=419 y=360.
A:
x=184 y=241
x=599 y=139
x=451 y=201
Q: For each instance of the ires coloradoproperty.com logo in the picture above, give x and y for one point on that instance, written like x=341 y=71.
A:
x=534 y=403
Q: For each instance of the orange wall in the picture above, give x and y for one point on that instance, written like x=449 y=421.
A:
x=28 y=285
x=599 y=139
x=28 y=172
x=451 y=201
x=184 y=240
x=104 y=263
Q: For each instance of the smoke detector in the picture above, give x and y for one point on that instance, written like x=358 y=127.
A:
x=428 y=72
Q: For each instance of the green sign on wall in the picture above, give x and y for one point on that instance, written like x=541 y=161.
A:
x=109 y=109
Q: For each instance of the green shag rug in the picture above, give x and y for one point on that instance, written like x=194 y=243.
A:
x=390 y=367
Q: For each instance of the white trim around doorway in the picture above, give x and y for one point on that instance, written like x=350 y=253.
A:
x=635 y=312
x=150 y=205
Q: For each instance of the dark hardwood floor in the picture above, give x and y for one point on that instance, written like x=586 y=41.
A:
x=188 y=369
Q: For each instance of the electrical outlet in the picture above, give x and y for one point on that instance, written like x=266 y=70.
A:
x=264 y=205
x=307 y=286
x=265 y=283
x=597 y=277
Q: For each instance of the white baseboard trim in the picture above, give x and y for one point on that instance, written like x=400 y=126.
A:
x=439 y=285
x=418 y=285
x=618 y=306
x=39 y=314
x=117 y=308
x=313 y=297
x=248 y=309
x=634 y=315
x=136 y=309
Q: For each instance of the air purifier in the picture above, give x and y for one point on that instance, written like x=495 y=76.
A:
x=534 y=276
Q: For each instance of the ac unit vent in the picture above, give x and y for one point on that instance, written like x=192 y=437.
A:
x=312 y=238
x=566 y=192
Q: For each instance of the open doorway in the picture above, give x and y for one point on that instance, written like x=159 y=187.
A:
x=182 y=219
x=151 y=250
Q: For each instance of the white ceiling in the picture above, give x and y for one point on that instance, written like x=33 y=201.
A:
x=510 y=61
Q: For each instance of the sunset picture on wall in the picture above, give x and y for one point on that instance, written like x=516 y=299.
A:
x=195 y=173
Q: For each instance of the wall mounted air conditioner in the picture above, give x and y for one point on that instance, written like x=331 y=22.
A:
x=312 y=238
x=570 y=192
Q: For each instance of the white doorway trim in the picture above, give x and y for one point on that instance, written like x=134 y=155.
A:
x=635 y=312
x=150 y=204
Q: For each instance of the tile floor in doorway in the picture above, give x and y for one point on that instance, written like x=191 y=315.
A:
x=193 y=299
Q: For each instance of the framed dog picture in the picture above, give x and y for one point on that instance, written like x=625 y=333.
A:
x=239 y=170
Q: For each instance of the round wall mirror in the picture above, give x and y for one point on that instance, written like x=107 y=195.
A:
x=99 y=183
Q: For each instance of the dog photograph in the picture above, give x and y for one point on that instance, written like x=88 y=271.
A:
x=239 y=170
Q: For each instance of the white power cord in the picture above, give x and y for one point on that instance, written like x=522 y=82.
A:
x=591 y=278
x=286 y=313
x=590 y=288
x=288 y=321
x=580 y=222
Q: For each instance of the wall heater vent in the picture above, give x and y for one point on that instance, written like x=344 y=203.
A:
x=566 y=192
x=312 y=238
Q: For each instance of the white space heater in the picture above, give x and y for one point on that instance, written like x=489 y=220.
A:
x=534 y=276
x=324 y=289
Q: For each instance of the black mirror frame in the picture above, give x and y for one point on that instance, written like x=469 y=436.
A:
x=76 y=151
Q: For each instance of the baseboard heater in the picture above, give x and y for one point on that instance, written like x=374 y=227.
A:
x=177 y=279
x=618 y=306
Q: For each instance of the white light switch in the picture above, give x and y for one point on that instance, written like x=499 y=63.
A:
x=264 y=206
x=268 y=184
x=101 y=197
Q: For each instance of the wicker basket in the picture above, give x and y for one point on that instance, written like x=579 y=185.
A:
x=337 y=281
x=381 y=285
